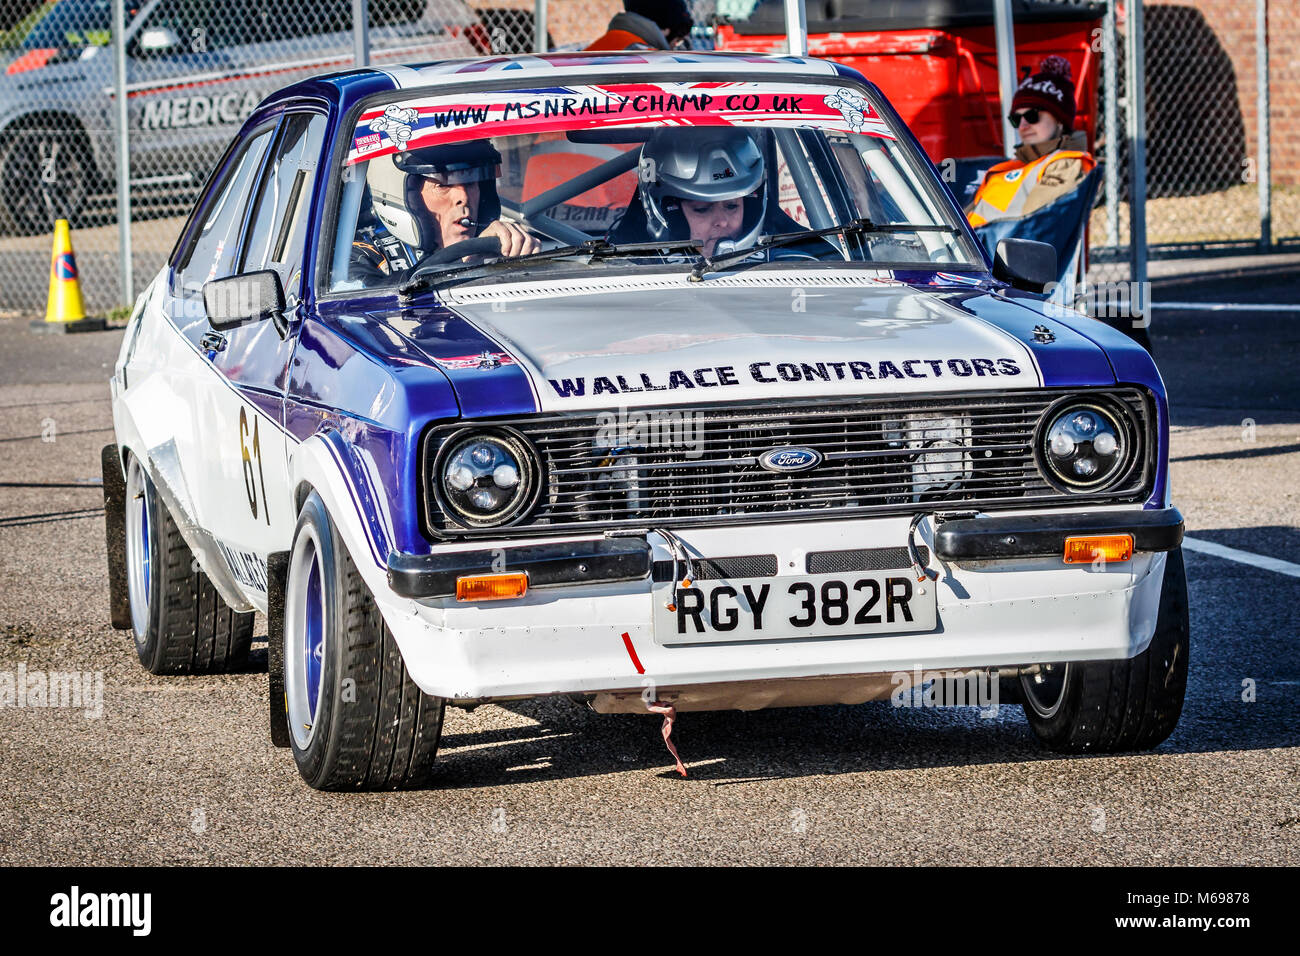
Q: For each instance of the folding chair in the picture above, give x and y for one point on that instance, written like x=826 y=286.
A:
x=1061 y=224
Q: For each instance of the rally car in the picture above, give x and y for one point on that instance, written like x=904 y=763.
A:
x=664 y=382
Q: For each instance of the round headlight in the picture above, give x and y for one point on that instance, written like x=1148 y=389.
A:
x=1086 y=446
x=485 y=478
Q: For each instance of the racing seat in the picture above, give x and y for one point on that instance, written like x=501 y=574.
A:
x=554 y=161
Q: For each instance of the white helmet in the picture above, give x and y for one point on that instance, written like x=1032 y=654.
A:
x=704 y=164
x=395 y=181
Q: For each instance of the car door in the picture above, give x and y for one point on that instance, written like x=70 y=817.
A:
x=209 y=249
x=247 y=501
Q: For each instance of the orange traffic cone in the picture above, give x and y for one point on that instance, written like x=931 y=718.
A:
x=65 y=312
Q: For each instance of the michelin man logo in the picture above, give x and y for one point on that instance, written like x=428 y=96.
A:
x=396 y=122
x=853 y=106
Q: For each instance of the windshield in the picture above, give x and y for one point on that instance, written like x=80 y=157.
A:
x=735 y=174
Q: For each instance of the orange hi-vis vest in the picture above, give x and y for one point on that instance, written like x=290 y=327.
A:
x=1006 y=189
x=619 y=40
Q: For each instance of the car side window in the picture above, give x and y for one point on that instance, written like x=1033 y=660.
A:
x=212 y=254
x=277 y=235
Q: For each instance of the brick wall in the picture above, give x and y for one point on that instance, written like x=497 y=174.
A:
x=1232 y=25
x=568 y=22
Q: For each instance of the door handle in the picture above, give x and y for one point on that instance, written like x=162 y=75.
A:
x=213 y=342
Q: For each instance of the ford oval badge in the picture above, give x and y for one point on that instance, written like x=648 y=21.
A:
x=790 y=458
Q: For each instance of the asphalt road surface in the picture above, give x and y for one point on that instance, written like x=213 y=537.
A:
x=180 y=770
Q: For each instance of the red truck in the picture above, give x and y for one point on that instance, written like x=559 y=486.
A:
x=936 y=60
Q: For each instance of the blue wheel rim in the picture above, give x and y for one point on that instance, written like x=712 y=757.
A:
x=145 y=550
x=139 y=560
x=314 y=636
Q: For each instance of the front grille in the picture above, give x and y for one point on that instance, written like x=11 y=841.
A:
x=719 y=569
x=880 y=456
x=863 y=559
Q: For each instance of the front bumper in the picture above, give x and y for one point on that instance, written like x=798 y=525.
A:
x=556 y=564
x=567 y=635
x=628 y=557
x=1043 y=535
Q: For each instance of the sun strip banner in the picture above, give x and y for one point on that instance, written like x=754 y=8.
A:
x=444 y=119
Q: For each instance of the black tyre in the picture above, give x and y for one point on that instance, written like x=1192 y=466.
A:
x=1107 y=706
x=46 y=173
x=356 y=719
x=181 y=625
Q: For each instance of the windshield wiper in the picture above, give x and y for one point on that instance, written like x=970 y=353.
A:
x=855 y=227
x=593 y=249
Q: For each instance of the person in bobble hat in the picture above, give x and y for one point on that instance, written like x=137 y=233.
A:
x=1052 y=158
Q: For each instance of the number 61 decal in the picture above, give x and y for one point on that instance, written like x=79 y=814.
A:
x=249 y=485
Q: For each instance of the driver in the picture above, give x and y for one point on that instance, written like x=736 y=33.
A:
x=433 y=198
x=707 y=185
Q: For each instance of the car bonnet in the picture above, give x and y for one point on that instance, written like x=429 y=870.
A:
x=663 y=340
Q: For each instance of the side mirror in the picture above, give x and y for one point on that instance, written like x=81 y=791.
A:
x=1025 y=264
x=239 y=300
x=156 y=41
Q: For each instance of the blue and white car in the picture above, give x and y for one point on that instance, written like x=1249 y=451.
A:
x=587 y=447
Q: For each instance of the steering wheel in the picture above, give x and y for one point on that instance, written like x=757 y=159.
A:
x=482 y=246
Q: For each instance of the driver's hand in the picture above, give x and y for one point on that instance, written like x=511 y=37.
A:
x=514 y=240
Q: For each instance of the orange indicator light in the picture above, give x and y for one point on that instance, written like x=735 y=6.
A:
x=492 y=587
x=1086 y=549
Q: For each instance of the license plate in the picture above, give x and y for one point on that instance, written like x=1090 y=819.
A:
x=781 y=608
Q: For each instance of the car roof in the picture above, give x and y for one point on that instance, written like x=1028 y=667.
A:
x=346 y=88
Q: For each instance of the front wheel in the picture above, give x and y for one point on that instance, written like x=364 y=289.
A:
x=1108 y=706
x=356 y=719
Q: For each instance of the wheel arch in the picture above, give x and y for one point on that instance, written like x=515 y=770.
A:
x=326 y=464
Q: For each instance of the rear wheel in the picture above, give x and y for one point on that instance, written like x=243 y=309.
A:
x=356 y=719
x=46 y=174
x=1106 y=706
x=181 y=625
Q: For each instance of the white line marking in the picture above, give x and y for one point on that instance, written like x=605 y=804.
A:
x=1242 y=557
x=1225 y=307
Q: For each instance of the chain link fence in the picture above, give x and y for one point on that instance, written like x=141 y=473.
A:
x=1203 y=160
x=196 y=68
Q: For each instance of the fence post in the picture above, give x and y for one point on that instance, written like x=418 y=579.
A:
x=1005 y=41
x=796 y=28
x=1110 y=77
x=361 y=32
x=1135 y=96
x=539 y=26
x=125 y=278
x=1264 y=176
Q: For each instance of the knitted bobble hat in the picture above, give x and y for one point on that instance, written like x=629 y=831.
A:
x=1050 y=89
